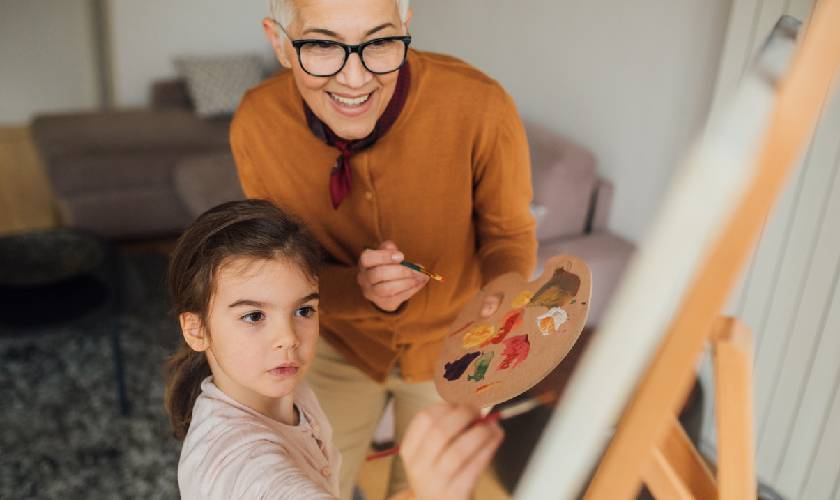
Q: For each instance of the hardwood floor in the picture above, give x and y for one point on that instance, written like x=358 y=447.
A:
x=25 y=198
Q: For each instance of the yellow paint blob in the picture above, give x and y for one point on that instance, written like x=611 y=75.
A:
x=522 y=299
x=478 y=335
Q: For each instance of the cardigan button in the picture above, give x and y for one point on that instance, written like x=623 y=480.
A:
x=325 y=472
x=368 y=196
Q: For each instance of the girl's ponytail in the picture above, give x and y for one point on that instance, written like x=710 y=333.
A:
x=184 y=372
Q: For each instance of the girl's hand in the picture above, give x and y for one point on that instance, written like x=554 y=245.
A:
x=384 y=281
x=444 y=453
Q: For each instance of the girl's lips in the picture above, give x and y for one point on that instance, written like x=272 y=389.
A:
x=284 y=371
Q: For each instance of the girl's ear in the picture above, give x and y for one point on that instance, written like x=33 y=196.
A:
x=192 y=328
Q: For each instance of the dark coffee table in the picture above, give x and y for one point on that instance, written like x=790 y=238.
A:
x=56 y=276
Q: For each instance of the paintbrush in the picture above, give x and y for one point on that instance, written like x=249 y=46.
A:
x=421 y=269
x=505 y=413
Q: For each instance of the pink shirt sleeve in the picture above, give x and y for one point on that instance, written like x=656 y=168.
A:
x=239 y=467
x=231 y=453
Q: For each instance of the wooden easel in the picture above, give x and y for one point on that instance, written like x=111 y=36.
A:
x=675 y=470
x=649 y=446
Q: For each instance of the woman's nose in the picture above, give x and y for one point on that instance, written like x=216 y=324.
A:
x=354 y=74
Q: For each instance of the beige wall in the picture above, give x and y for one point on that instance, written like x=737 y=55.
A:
x=147 y=34
x=630 y=80
x=46 y=58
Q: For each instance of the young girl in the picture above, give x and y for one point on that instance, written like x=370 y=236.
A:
x=244 y=283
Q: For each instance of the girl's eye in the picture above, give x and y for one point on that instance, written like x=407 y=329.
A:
x=305 y=312
x=253 y=317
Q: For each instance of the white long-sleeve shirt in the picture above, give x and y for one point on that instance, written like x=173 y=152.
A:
x=233 y=452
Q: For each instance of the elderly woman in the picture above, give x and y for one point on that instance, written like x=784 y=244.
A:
x=388 y=154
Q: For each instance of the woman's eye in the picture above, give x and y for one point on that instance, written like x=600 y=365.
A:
x=305 y=312
x=253 y=317
x=319 y=45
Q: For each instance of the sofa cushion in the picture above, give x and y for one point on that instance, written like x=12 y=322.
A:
x=564 y=181
x=204 y=181
x=217 y=83
x=141 y=211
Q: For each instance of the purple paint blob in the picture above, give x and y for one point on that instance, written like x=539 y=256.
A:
x=455 y=369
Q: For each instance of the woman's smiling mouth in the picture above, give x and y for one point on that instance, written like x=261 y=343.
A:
x=350 y=101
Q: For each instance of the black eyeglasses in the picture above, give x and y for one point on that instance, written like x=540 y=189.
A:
x=325 y=58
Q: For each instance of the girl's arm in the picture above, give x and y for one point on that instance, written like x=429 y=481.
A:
x=239 y=464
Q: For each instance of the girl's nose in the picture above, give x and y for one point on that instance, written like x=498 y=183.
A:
x=286 y=338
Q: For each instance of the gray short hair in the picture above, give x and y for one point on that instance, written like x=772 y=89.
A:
x=283 y=11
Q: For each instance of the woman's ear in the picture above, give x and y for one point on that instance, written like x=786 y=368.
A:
x=408 y=15
x=192 y=328
x=278 y=41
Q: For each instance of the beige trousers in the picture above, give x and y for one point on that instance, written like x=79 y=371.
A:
x=354 y=404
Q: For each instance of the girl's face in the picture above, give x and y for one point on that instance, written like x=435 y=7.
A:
x=263 y=325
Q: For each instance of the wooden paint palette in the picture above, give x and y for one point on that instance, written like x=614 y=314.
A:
x=485 y=361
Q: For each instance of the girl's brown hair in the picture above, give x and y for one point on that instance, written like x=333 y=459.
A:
x=250 y=228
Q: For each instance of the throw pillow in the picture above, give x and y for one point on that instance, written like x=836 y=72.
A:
x=217 y=83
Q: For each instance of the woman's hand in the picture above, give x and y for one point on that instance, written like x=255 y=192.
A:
x=490 y=305
x=384 y=281
x=445 y=452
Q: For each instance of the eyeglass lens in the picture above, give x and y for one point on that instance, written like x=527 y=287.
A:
x=381 y=56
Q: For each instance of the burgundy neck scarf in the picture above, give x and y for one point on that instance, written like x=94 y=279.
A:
x=340 y=175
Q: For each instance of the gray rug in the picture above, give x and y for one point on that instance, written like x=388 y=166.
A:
x=61 y=434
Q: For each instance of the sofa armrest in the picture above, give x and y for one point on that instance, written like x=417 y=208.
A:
x=168 y=94
x=605 y=253
x=602 y=200
x=564 y=180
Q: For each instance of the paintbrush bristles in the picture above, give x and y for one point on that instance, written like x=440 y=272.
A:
x=513 y=410
x=547 y=397
x=419 y=268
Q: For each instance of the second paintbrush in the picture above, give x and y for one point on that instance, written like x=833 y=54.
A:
x=421 y=269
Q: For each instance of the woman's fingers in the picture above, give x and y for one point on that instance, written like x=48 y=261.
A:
x=490 y=305
x=372 y=258
x=389 y=272
x=393 y=289
x=383 y=281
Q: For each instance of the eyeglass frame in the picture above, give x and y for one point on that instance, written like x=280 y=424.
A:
x=348 y=50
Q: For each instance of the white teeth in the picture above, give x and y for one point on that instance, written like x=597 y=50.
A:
x=358 y=101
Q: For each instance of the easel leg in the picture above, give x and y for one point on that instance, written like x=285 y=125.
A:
x=676 y=470
x=732 y=350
